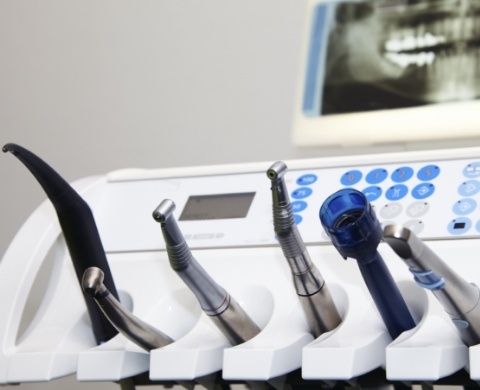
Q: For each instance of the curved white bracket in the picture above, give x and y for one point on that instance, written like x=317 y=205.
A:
x=430 y=351
x=61 y=328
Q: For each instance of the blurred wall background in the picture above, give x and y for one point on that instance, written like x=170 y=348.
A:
x=93 y=86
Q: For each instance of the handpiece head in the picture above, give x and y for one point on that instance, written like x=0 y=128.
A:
x=282 y=212
x=399 y=238
x=350 y=222
x=163 y=214
x=92 y=281
x=277 y=170
x=164 y=210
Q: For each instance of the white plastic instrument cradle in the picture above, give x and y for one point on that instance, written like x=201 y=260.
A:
x=434 y=193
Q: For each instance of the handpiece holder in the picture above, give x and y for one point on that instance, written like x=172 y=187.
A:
x=459 y=298
x=350 y=222
x=80 y=231
x=313 y=293
x=225 y=312
x=136 y=330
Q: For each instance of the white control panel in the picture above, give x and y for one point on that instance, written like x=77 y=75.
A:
x=436 y=198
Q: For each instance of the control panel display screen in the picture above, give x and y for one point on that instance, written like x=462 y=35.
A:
x=219 y=206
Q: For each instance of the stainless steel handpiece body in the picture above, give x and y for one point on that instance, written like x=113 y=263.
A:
x=318 y=305
x=214 y=300
x=459 y=298
x=136 y=330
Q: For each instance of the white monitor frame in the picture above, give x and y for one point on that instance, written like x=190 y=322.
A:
x=439 y=121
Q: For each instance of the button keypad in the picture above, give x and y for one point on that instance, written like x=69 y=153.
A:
x=429 y=198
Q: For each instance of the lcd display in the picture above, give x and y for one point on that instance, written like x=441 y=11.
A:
x=219 y=206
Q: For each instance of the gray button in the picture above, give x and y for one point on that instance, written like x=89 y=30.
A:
x=391 y=210
x=203 y=236
x=418 y=209
x=415 y=225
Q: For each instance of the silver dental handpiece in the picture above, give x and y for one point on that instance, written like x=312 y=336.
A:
x=318 y=305
x=225 y=312
x=136 y=330
x=460 y=299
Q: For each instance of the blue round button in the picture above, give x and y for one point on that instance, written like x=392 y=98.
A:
x=298 y=205
x=402 y=174
x=477 y=226
x=301 y=193
x=372 y=193
x=472 y=170
x=376 y=176
x=469 y=188
x=351 y=177
x=396 y=192
x=464 y=206
x=423 y=190
x=297 y=218
x=307 y=179
x=459 y=226
x=428 y=172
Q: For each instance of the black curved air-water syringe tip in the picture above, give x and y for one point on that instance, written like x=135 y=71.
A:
x=79 y=229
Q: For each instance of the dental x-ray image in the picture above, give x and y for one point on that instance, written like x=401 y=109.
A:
x=387 y=54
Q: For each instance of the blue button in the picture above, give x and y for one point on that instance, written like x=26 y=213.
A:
x=376 y=176
x=372 y=193
x=469 y=188
x=351 y=177
x=402 y=174
x=423 y=190
x=428 y=172
x=472 y=170
x=464 y=206
x=477 y=226
x=297 y=218
x=301 y=193
x=298 y=205
x=396 y=192
x=307 y=179
x=459 y=226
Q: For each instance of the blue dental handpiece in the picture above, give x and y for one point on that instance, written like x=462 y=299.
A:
x=350 y=222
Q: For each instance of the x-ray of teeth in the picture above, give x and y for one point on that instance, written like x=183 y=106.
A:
x=385 y=54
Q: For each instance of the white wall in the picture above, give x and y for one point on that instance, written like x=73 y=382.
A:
x=97 y=85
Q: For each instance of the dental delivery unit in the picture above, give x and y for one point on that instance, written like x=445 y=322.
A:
x=354 y=271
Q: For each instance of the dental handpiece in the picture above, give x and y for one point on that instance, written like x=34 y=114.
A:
x=133 y=328
x=313 y=293
x=79 y=230
x=459 y=298
x=215 y=301
x=350 y=222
